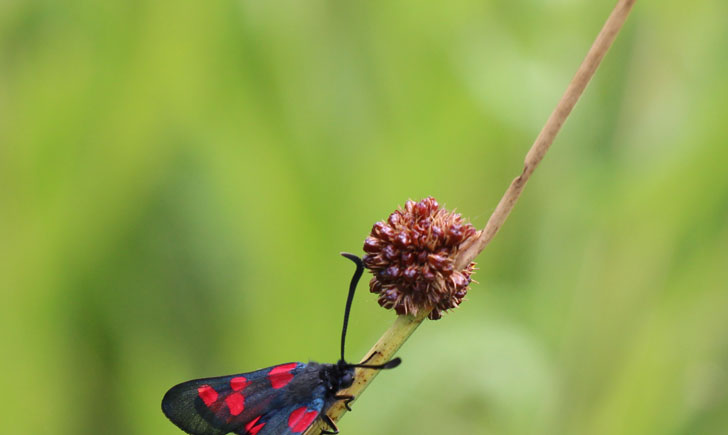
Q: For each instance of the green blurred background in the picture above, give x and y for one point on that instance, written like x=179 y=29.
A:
x=178 y=177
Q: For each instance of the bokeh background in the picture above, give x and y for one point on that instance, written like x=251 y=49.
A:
x=177 y=179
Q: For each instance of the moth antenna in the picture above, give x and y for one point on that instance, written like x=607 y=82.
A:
x=350 y=298
x=392 y=363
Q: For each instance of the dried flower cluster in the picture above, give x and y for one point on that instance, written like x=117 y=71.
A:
x=411 y=256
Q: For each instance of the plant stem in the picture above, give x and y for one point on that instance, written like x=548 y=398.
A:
x=404 y=326
x=550 y=130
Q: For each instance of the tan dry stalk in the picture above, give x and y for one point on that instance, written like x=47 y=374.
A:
x=404 y=326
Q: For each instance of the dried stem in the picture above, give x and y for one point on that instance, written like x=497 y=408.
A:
x=404 y=326
x=550 y=130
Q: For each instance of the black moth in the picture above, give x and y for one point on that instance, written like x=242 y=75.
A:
x=284 y=399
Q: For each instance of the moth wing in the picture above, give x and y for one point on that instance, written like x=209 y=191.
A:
x=244 y=403
x=292 y=419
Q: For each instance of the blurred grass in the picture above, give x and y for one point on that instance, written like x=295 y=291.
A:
x=177 y=178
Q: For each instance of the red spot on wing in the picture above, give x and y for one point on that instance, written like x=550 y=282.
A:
x=207 y=394
x=238 y=383
x=235 y=403
x=281 y=375
x=301 y=419
x=252 y=429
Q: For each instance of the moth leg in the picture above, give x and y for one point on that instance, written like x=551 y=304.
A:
x=331 y=424
x=347 y=398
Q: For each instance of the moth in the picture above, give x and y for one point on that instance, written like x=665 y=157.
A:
x=279 y=400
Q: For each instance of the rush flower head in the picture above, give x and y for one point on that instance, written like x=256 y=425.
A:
x=412 y=257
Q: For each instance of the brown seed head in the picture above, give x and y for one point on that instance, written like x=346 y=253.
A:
x=411 y=256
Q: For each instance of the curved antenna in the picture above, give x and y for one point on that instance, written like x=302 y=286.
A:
x=352 y=287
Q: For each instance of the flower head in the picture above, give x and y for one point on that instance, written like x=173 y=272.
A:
x=412 y=257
